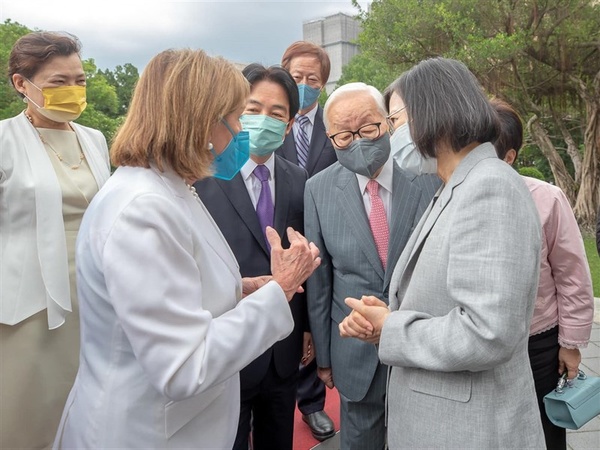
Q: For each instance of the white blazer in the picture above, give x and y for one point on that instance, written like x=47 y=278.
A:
x=164 y=333
x=34 y=273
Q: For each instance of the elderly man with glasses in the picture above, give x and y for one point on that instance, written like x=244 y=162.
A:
x=360 y=212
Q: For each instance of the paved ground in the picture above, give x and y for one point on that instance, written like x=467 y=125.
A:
x=588 y=437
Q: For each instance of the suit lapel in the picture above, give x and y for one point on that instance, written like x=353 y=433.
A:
x=282 y=197
x=288 y=149
x=405 y=200
x=431 y=215
x=356 y=217
x=236 y=192
x=317 y=141
x=210 y=230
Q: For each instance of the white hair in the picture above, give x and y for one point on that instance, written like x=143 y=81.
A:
x=351 y=88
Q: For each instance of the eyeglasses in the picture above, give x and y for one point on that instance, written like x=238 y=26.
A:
x=344 y=138
x=391 y=121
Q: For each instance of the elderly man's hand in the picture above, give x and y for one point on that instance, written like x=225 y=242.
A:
x=366 y=319
x=326 y=376
x=291 y=267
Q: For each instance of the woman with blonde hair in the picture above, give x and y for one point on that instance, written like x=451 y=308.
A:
x=167 y=321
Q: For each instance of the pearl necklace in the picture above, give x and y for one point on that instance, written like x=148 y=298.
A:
x=193 y=191
x=60 y=158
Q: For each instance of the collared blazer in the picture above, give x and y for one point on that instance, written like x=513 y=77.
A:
x=336 y=221
x=321 y=153
x=164 y=329
x=230 y=205
x=34 y=273
x=462 y=297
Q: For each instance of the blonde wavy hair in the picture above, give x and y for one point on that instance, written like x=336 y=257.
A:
x=180 y=97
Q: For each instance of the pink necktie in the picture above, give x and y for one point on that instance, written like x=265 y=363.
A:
x=378 y=222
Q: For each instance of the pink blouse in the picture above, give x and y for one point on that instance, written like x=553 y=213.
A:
x=565 y=295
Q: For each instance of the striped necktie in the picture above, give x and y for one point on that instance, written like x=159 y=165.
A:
x=302 y=142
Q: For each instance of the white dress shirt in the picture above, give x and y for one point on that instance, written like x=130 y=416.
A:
x=385 y=180
x=253 y=184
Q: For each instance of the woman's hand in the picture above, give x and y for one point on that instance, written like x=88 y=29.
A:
x=249 y=285
x=291 y=267
x=569 y=360
x=366 y=319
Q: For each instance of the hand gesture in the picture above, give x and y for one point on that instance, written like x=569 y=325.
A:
x=291 y=267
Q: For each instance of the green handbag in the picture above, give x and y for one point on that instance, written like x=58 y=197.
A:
x=573 y=403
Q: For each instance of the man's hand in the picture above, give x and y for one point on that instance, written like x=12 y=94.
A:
x=249 y=285
x=291 y=267
x=325 y=374
x=569 y=359
x=308 y=353
x=366 y=319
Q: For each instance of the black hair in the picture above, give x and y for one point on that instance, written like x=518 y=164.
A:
x=255 y=73
x=446 y=105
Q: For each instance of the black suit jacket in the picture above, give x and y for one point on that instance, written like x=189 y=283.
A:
x=230 y=206
x=321 y=153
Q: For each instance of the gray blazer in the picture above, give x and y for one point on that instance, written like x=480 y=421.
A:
x=462 y=297
x=336 y=221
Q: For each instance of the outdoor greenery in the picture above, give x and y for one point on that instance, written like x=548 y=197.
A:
x=108 y=92
x=531 y=172
x=542 y=57
x=594 y=261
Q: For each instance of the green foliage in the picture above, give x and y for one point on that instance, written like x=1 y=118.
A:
x=10 y=103
x=541 y=57
x=363 y=67
x=531 y=172
x=108 y=92
x=123 y=79
x=323 y=98
x=594 y=262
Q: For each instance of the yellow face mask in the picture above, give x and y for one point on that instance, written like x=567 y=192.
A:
x=63 y=103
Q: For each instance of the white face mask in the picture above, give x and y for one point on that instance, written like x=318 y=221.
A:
x=406 y=154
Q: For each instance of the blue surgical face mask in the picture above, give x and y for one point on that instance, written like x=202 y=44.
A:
x=308 y=95
x=406 y=154
x=365 y=156
x=227 y=164
x=266 y=133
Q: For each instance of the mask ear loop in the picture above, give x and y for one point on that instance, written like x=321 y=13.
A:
x=229 y=128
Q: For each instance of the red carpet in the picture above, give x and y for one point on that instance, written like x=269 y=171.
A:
x=303 y=440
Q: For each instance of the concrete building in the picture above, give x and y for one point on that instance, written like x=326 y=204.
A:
x=337 y=34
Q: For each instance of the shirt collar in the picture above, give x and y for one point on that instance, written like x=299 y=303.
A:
x=385 y=177
x=250 y=165
x=311 y=114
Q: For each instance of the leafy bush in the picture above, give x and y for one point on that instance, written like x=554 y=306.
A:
x=531 y=172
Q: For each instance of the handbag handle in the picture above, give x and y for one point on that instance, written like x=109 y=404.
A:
x=564 y=383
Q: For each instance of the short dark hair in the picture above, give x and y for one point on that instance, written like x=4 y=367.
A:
x=33 y=50
x=445 y=104
x=255 y=73
x=305 y=48
x=511 y=128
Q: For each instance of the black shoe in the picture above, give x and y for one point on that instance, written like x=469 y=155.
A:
x=321 y=426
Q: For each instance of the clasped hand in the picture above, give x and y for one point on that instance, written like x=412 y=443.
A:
x=366 y=319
